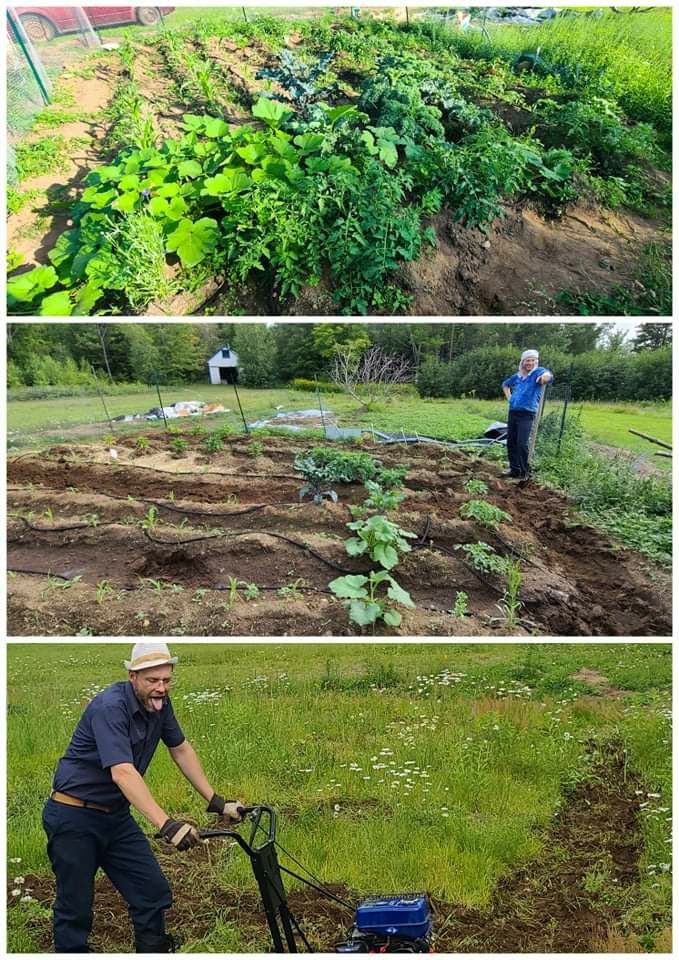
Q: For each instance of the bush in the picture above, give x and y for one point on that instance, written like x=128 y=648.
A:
x=596 y=375
x=44 y=371
x=311 y=386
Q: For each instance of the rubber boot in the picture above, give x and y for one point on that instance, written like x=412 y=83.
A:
x=154 y=943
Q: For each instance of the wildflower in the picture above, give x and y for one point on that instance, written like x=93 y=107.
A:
x=26 y=899
x=15 y=859
x=19 y=880
x=15 y=893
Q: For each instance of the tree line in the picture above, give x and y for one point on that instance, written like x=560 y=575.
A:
x=446 y=359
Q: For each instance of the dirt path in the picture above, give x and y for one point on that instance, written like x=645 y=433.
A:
x=551 y=905
x=34 y=230
x=80 y=517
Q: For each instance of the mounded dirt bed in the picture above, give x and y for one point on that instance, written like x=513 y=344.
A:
x=82 y=518
x=547 y=906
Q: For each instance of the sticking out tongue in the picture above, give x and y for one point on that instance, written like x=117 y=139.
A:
x=157 y=702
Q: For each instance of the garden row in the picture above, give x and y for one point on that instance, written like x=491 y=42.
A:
x=229 y=536
x=320 y=160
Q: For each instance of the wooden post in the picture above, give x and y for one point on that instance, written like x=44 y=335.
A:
x=536 y=423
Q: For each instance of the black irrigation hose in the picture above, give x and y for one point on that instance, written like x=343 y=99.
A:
x=77 y=526
x=244 y=533
x=38 y=573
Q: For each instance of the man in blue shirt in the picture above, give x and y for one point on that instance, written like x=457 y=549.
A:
x=523 y=390
x=87 y=818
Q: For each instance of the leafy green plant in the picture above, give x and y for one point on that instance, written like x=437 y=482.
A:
x=254 y=449
x=484 y=512
x=178 y=446
x=461 y=606
x=213 y=443
x=340 y=466
x=511 y=605
x=476 y=486
x=298 y=80
x=482 y=557
x=365 y=604
x=391 y=477
x=380 y=499
x=381 y=539
x=104 y=589
x=141 y=446
x=150 y=520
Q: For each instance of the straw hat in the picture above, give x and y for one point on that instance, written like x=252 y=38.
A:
x=145 y=655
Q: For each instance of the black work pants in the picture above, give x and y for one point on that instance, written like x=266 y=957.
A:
x=519 y=426
x=82 y=840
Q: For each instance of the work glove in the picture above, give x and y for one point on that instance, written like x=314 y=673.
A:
x=180 y=834
x=231 y=811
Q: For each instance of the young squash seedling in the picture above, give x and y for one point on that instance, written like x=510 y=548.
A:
x=366 y=607
x=380 y=538
x=381 y=499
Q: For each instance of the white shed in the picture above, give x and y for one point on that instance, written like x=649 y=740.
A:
x=223 y=366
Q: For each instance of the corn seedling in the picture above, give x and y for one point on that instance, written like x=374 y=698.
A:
x=292 y=590
x=104 y=590
x=511 y=604
x=150 y=520
x=49 y=514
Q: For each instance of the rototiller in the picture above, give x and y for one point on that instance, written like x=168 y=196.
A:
x=399 y=923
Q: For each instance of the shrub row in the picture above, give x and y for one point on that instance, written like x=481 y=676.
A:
x=596 y=375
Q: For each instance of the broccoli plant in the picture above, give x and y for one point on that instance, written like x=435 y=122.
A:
x=381 y=539
x=318 y=477
x=298 y=79
x=365 y=605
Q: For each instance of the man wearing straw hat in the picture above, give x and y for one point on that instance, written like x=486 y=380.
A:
x=523 y=391
x=87 y=817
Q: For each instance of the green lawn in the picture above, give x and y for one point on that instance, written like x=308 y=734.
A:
x=605 y=423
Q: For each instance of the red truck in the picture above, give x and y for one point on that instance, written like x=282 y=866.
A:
x=45 y=23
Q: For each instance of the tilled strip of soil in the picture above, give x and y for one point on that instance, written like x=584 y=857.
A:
x=550 y=905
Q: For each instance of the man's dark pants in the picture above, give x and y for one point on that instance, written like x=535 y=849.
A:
x=79 y=841
x=519 y=426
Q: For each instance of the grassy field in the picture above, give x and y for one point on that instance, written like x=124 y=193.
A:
x=432 y=767
x=606 y=423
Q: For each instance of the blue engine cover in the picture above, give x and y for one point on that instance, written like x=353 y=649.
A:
x=401 y=915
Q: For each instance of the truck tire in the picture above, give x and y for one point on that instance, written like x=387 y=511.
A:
x=147 y=16
x=37 y=27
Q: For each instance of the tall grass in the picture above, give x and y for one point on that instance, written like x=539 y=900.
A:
x=628 y=56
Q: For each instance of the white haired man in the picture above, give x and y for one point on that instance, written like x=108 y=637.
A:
x=522 y=390
x=87 y=817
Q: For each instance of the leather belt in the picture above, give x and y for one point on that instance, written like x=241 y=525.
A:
x=75 y=802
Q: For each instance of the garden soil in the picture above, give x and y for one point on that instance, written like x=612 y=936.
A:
x=163 y=545
x=545 y=906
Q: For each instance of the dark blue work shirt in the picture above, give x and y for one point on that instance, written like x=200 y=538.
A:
x=525 y=390
x=115 y=728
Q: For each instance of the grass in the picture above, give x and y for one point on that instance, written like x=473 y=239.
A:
x=349 y=739
x=605 y=423
x=629 y=56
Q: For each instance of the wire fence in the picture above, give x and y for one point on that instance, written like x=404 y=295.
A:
x=104 y=412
